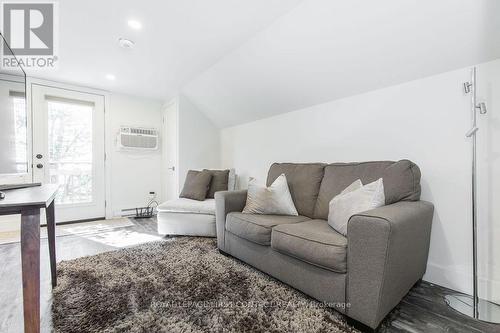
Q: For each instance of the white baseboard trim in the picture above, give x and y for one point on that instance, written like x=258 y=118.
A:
x=460 y=279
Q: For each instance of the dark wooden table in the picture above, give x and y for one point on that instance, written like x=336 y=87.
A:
x=28 y=202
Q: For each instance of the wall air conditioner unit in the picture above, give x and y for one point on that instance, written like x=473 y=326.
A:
x=137 y=138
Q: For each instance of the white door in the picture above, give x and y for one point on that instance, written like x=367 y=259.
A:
x=170 y=141
x=68 y=150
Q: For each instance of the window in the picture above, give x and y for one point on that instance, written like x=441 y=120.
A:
x=13 y=130
x=20 y=135
x=70 y=150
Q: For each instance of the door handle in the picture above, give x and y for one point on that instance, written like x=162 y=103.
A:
x=39 y=165
x=172 y=168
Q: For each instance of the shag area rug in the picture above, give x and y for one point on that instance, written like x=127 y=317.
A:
x=180 y=285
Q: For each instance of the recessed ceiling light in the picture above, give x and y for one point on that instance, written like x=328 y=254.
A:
x=134 y=24
x=110 y=77
x=126 y=43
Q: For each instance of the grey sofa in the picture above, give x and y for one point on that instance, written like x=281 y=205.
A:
x=363 y=275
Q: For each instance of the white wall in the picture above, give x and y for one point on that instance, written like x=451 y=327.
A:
x=199 y=145
x=424 y=121
x=132 y=174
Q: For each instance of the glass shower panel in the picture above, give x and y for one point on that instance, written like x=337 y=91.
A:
x=488 y=157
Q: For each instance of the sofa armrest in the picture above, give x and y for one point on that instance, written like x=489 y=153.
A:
x=387 y=251
x=225 y=203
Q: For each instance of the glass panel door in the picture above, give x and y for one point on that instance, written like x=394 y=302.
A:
x=68 y=150
x=488 y=162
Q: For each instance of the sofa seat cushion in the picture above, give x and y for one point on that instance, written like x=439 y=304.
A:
x=257 y=228
x=184 y=205
x=314 y=242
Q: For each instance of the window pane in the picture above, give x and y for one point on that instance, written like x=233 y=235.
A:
x=13 y=128
x=13 y=116
x=70 y=151
x=20 y=134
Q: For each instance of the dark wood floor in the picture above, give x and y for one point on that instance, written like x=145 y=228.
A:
x=422 y=310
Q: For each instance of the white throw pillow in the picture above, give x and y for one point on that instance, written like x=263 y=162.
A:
x=354 y=200
x=357 y=184
x=273 y=200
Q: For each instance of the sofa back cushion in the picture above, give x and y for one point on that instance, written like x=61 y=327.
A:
x=304 y=180
x=401 y=181
x=219 y=182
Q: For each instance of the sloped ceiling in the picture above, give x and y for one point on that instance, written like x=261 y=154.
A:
x=242 y=60
x=179 y=39
x=323 y=50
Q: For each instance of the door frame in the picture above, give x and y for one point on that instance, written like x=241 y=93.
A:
x=108 y=138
